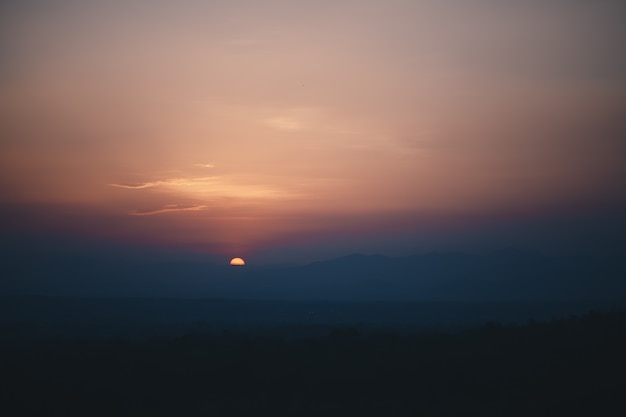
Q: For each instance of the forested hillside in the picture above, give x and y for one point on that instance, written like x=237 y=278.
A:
x=565 y=367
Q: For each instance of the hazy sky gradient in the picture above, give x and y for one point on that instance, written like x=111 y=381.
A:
x=248 y=127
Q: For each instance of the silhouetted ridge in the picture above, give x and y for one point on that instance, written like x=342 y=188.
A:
x=502 y=275
x=354 y=259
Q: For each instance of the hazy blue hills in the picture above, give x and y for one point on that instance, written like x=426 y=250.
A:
x=95 y=295
x=506 y=275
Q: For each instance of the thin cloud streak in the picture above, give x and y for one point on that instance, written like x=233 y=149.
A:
x=170 y=208
x=170 y=182
x=138 y=186
x=211 y=187
x=283 y=123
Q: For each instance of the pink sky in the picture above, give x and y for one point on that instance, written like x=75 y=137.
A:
x=246 y=126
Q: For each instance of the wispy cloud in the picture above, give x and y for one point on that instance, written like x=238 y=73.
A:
x=205 y=165
x=138 y=186
x=209 y=187
x=168 y=182
x=168 y=209
x=283 y=123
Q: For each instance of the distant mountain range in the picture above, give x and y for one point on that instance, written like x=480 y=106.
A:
x=506 y=275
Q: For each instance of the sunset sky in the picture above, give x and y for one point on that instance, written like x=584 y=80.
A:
x=288 y=130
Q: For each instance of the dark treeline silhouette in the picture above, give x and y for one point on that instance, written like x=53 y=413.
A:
x=141 y=318
x=571 y=366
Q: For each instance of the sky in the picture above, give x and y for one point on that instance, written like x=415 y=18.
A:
x=293 y=130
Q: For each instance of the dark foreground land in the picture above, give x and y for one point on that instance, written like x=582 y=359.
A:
x=571 y=366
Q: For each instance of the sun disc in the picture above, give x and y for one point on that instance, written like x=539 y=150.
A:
x=237 y=262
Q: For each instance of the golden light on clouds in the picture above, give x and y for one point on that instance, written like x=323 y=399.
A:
x=168 y=209
x=208 y=188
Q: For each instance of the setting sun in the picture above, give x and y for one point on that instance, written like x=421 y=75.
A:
x=237 y=262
